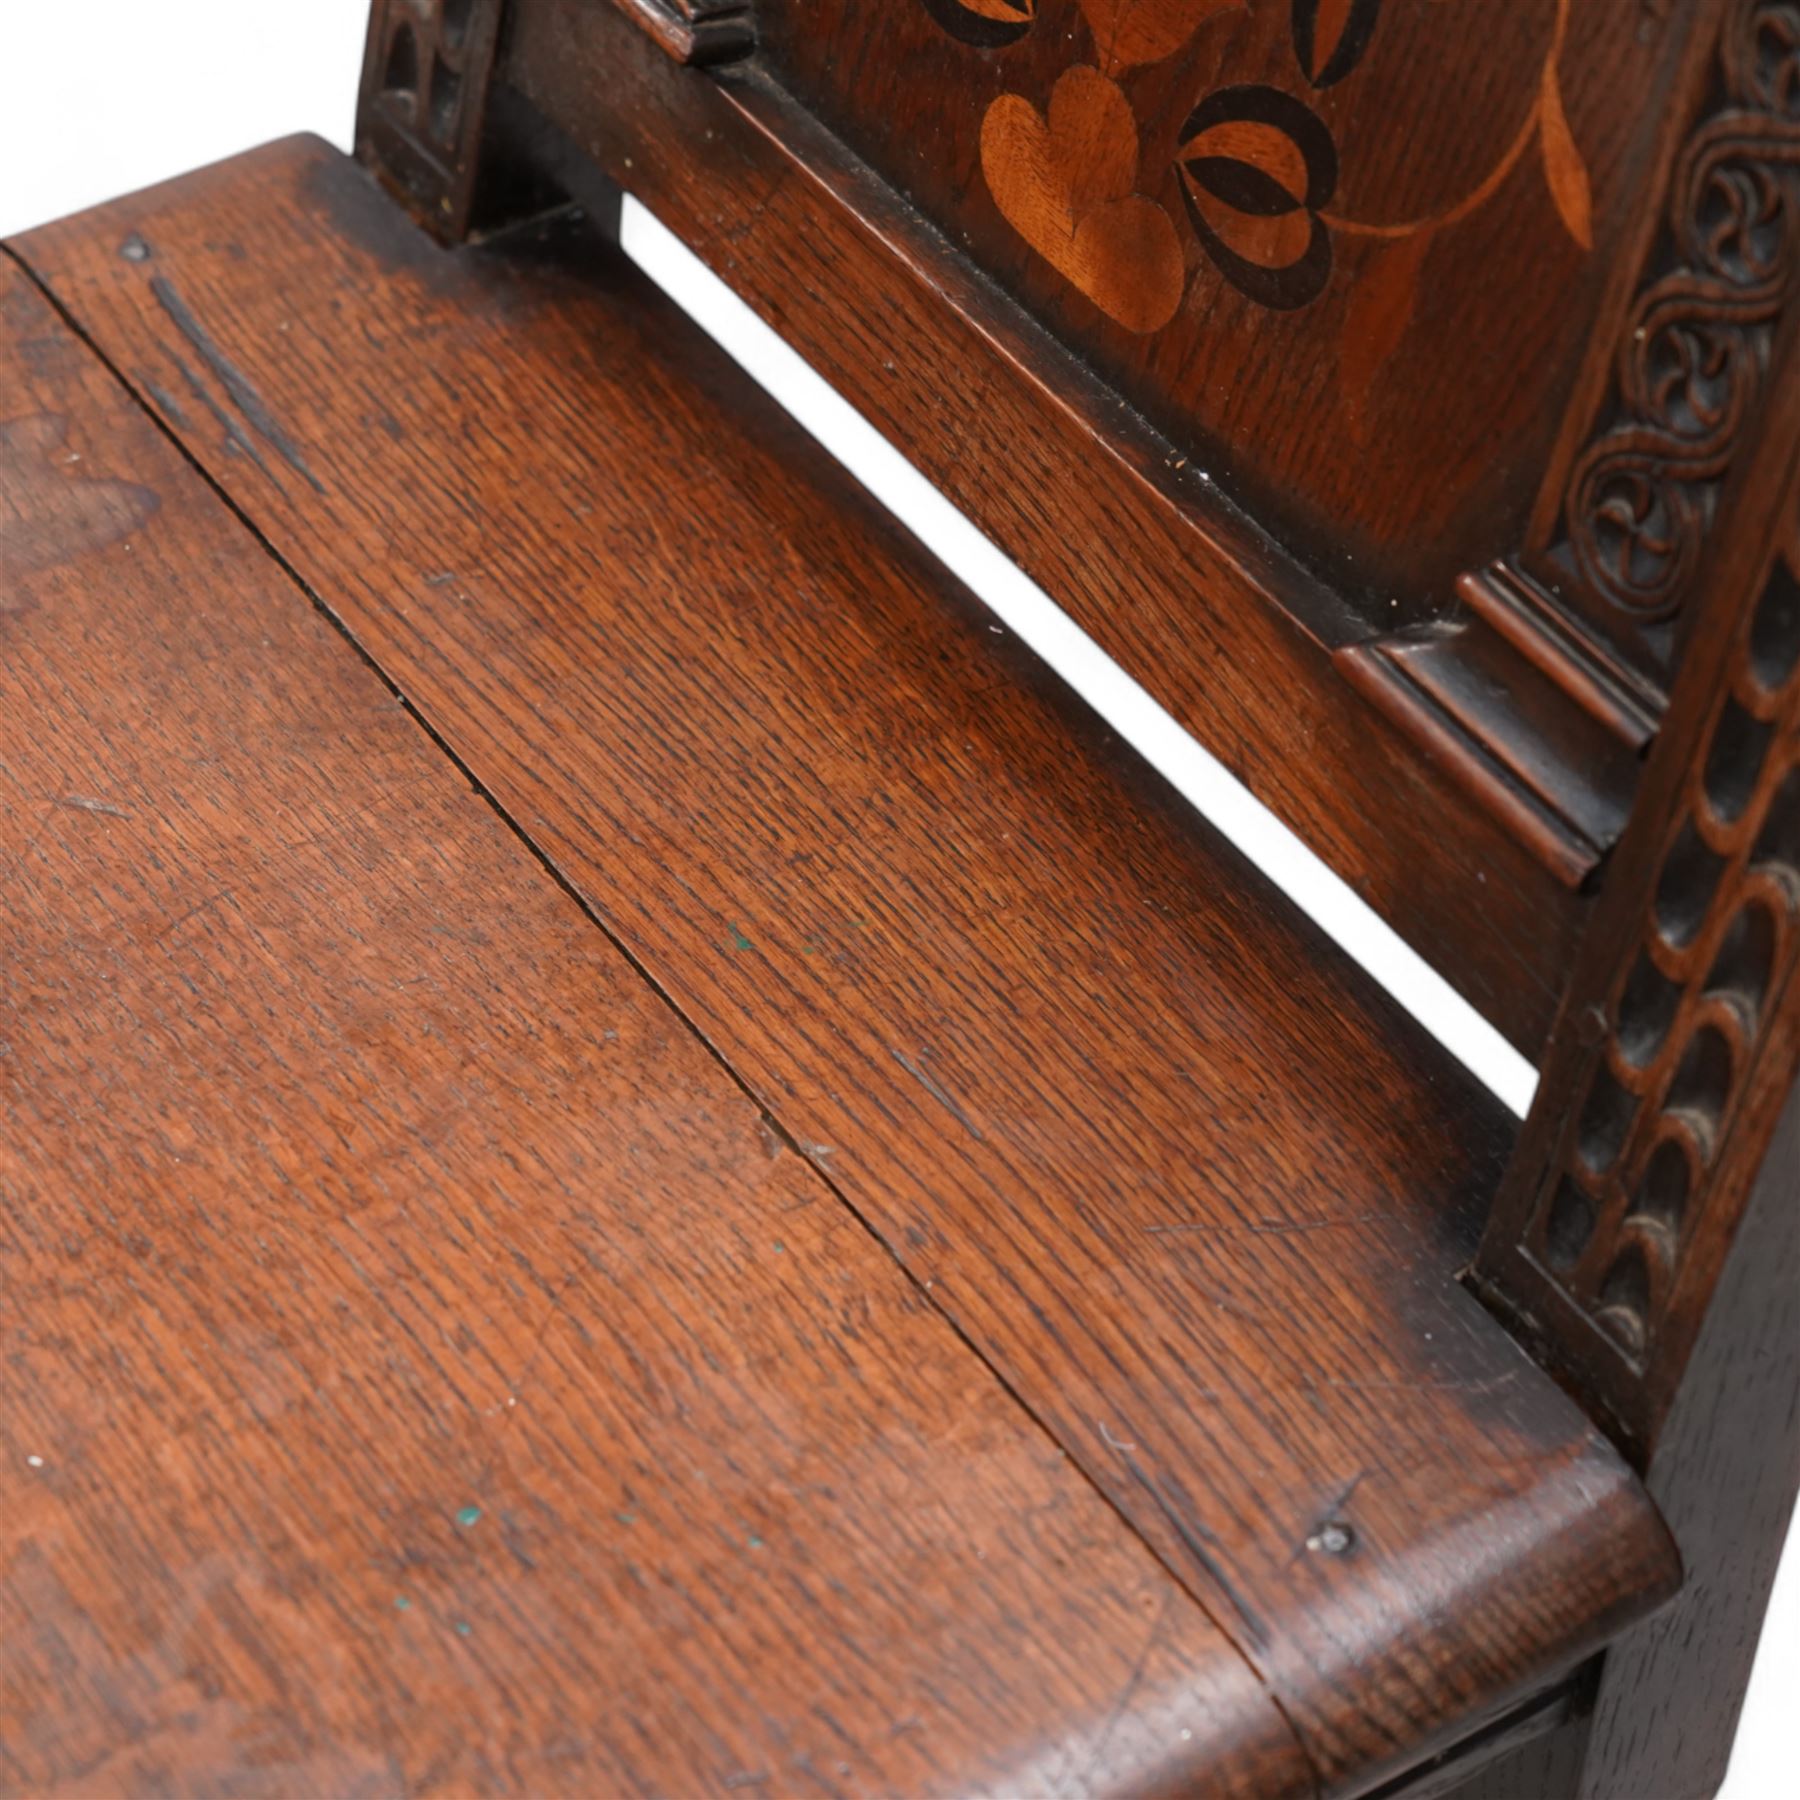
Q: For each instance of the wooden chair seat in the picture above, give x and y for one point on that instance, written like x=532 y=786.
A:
x=631 y=1279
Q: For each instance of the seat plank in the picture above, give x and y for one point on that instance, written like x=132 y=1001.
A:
x=1191 y=1183
x=1117 y=524
x=422 y=1368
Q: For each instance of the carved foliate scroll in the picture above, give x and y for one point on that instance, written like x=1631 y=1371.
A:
x=1670 y=1069
x=1692 y=363
x=423 y=102
x=1541 y=690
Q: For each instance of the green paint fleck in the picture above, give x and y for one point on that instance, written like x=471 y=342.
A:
x=780 y=1247
x=463 y=1627
x=402 y=1604
x=808 y=949
x=626 y=1518
x=467 y=1516
x=739 y=941
x=858 y=924
x=754 y=1541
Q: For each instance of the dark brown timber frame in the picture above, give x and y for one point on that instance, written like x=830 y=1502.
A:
x=1531 y=689
x=1224 y=624
x=1572 y=781
x=1646 y=1241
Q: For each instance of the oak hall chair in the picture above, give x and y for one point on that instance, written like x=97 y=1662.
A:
x=640 y=1160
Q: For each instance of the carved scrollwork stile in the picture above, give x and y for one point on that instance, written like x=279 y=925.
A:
x=1694 y=359
x=424 y=89
x=1688 y=1016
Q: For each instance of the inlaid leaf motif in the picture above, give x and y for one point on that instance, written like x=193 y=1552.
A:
x=1064 y=183
x=1253 y=165
x=1128 y=33
x=1383 y=299
x=1563 y=163
x=987 y=24
x=1330 y=36
x=1257 y=166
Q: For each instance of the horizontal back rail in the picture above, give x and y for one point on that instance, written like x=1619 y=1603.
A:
x=1381 y=528
x=1137 y=541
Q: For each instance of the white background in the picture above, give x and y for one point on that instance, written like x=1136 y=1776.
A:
x=101 y=96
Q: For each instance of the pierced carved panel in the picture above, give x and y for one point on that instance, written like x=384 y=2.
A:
x=1632 y=1214
x=1692 y=364
x=423 y=98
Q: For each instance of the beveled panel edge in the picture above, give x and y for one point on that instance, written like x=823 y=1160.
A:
x=1541 y=726
x=702 y=32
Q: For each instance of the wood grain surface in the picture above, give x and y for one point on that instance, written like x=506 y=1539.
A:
x=1365 y=370
x=1186 y=1179
x=1208 y=315
x=1122 y=526
x=422 y=1367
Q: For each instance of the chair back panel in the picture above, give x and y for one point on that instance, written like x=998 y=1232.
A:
x=1363 y=374
x=1349 y=255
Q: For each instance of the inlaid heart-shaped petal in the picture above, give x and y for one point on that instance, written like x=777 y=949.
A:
x=1064 y=183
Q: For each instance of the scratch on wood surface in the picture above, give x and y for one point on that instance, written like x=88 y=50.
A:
x=1337 y=1501
x=925 y=1080
x=193 y=912
x=1128 y=1692
x=235 y=382
x=735 y=234
x=1194 y=1538
x=1269 y=1227
x=165 y=401
x=235 y=436
x=82 y=803
x=538 y=1336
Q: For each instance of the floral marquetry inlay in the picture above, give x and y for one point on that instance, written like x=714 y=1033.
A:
x=1065 y=181
x=1257 y=166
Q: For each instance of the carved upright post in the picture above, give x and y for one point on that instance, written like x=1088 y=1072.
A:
x=1540 y=691
x=1679 y=1040
x=1646 y=1240
x=423 y=102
